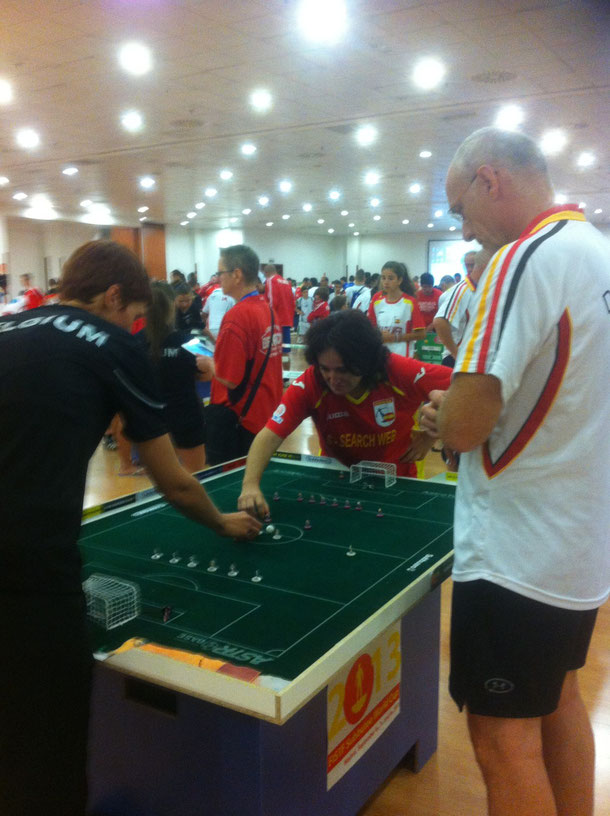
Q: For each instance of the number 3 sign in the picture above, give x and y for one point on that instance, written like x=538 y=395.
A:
x=362 y=700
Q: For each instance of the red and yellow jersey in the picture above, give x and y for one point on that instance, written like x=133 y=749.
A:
x=400 y=317
x=376 y=427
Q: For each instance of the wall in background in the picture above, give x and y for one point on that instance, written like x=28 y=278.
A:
x=31 y=245
x=41 y=246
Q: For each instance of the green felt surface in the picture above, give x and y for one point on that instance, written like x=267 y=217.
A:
x=311 y=594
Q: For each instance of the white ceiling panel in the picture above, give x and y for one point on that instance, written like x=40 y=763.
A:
x=549 y=56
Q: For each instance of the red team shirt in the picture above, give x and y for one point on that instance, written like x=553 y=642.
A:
x=321 y=311
x=244 y=335
x=400 y=317
x=375 y=427
x=279 y=294
x=428 y=304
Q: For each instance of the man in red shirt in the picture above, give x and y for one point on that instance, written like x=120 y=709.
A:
x=321 y=309
x=280 y=296
x=32 y=297
x=242 y=401
x=361 y=397
x=427 y=299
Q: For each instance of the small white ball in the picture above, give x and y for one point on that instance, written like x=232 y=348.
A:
x=270 y=528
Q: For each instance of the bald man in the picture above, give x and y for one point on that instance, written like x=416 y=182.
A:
x=528 y=409
x=454 y=306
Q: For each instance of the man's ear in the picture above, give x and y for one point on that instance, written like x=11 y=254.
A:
x=113 y=298
x=488 y=176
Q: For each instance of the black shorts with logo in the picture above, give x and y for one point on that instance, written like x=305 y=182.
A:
x=510 y=654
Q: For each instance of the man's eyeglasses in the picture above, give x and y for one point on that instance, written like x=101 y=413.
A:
x=456 y=210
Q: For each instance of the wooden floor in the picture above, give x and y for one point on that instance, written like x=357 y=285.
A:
x=449 y=784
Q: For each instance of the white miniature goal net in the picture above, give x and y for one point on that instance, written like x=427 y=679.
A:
x=111 y=602
x=387 y=470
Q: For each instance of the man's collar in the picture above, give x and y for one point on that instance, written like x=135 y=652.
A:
x=563 y=212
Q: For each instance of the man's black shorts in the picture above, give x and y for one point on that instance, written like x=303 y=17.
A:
x=510 y=654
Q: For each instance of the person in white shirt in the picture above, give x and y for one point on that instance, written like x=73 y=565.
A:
x=359 y=296
x=216 y=307
x=394 y=312
x=304 y=308
x=528 y=409
x=454 y=307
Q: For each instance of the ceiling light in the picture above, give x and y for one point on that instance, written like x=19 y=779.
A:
x=553 y=141
x=334 y=195
x=86 y=202
x=263 y=200
x=248 y=149
x=430 y=226
x=135 y=58
x=147 y=182
x=132 y=121
x=3 y=180
x=351 y=225
x=261 y=100
x=372 y=177
x=225 y=175
x=428 y=73
x=233 y=220
x=70 y=171
x=247 y=211
x=322 y=21
x=414 y=189
x=375 y=202
x=285 y=186
x=184 y=223
x=598 y=211
x=98 y=214
x=438 y=213
x=143 y=209
x=269 y=224
x=356 y=233
x=210 y=192
x=143 y=218
x=285 y=217
x=320 y=220
x=331 y=230
x=585 y=159
x=191 y=214
x=200 y=205
x=27 y=138
x=509 y=117
x=41 y=208
x=366 y=135
x=6 y=92
x=20 y=196
x=405 y=221
x=307 y=207
x=561 y=198
x=452 y=229
x=424 y=154
x=376 y=218
x=344 y=212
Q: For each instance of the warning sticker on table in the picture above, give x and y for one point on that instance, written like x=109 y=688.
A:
x=362 y=700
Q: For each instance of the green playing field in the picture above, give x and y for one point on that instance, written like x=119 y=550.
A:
x=311 y=593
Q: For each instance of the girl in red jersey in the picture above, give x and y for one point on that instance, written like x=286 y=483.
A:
x=361 y=397
x=395 y=312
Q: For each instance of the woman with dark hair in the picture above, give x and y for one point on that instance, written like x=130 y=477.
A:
x=177 y=375
x=395 y=311
x=361 y=397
